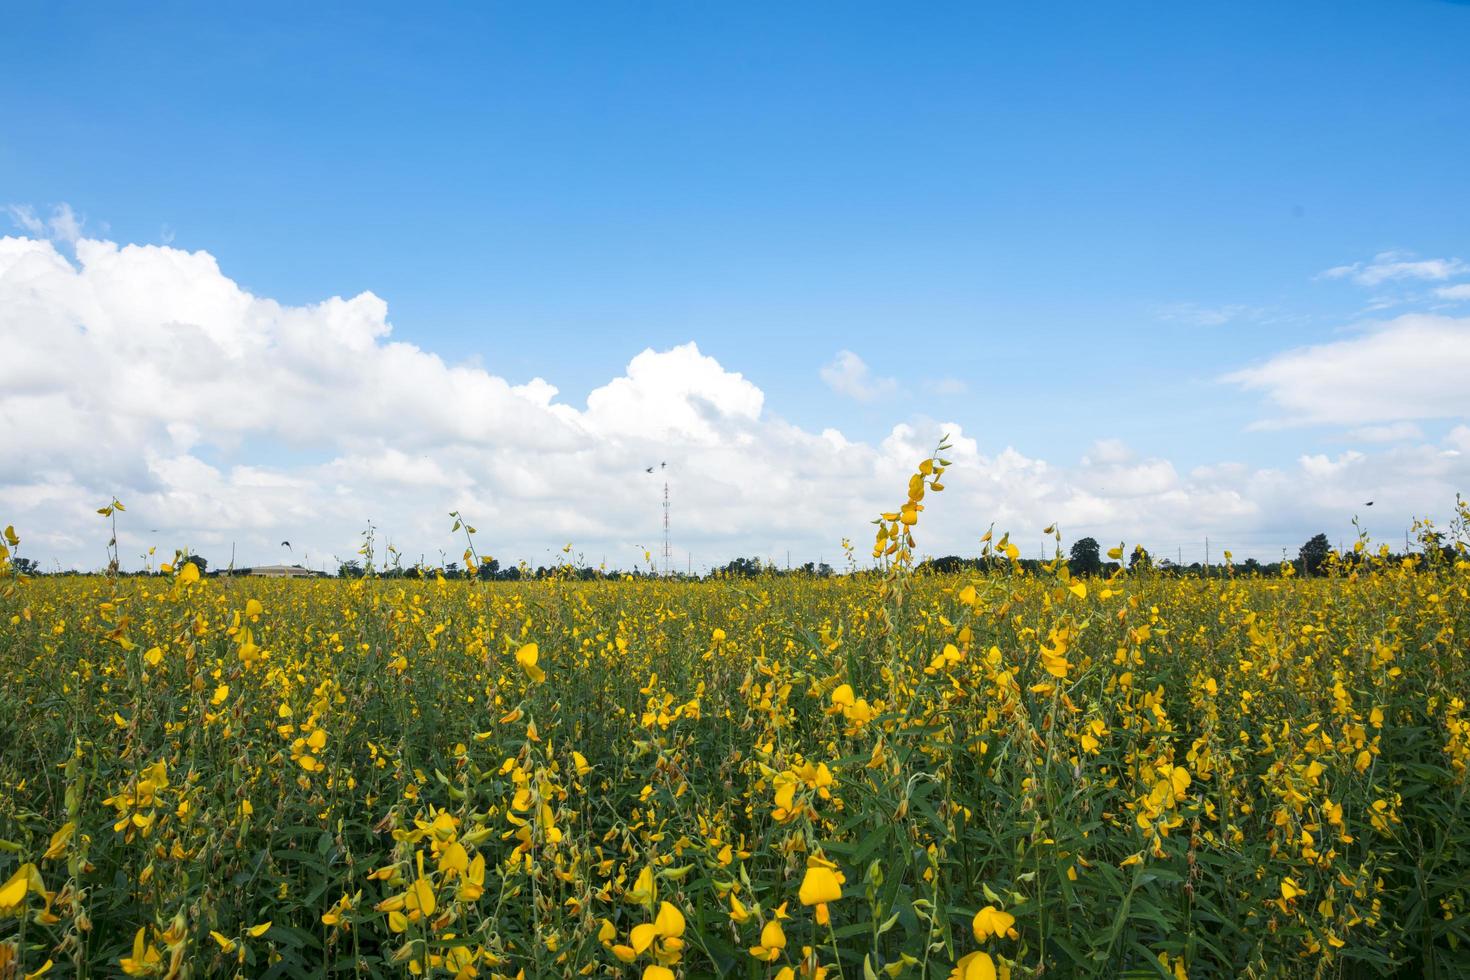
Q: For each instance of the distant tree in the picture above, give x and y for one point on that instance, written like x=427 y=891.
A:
x=352 y=568
x=1086 y=557
x=200 y=562
x=1437 y=548
x=488 y=568
x=1140 y=560
x=948 y=565
x=1251 y=567
x=742 y=568
x=25 y=566
x=451 y=570
x=824 y=570
x=1313 y=555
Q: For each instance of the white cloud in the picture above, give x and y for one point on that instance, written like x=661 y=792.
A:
x=63 y=226
x=849 y=375
x=1108 y=452
x=1458 y=292
x=24 y=217
x=1395 y=265
x=228 y=421
x=1411 y=367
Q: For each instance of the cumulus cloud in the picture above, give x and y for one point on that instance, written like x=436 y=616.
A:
x=849 y=375
x=226 y=420
x=1397 y=265
x=1411 y=367
x=1456 y=292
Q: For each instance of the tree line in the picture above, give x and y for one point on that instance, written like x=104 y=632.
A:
x=1084 y=559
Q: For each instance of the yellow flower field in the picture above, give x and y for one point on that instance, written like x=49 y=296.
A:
x=887 y=774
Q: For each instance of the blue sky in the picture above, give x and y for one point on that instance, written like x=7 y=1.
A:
x=1054 y=223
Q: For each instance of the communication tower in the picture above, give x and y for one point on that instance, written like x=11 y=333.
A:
x=668 y=552
x=668 y=545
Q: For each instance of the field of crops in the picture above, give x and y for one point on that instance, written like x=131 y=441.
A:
x=876 y=775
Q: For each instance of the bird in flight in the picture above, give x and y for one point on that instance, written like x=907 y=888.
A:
x=286 y=545
x=1368 y=504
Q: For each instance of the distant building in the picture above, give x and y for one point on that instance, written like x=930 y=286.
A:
x=281 y=571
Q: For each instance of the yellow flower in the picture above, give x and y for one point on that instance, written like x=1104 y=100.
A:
x=421 y=896
x=974 y=966
x=822 y=883
x=13 y=892
x=991 y=921
x=454 y=858
x=669 y=922
x=337 y=913
x=642 y=936
x=60 y=840
x=773 y=941
x=644 y=890
x=145 y=960
x=44 y=968
x=526 y=657
x=473 y=885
